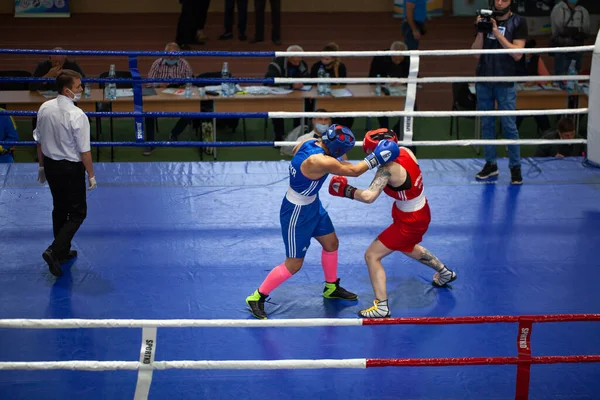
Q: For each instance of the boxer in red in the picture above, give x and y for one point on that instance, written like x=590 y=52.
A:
x=401 y=179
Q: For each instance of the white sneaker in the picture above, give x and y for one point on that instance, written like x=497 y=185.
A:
x=443 y=277
x=376 y=311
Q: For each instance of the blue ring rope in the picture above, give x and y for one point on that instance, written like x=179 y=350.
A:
x=155 y=144
x=214 y=81
x=154 y=114
x=139 y=53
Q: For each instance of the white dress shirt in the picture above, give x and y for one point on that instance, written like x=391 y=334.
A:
x=63 y=129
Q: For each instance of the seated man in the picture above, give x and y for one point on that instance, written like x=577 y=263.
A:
x=163 y=68
x=8 y=132
x=297 y=134
x=50 y=68
x=565 y=131
x=393 y=67
x=283 y=67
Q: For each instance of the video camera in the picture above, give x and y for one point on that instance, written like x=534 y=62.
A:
x=485 y=25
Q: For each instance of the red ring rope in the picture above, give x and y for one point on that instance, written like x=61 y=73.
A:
x=481 y=319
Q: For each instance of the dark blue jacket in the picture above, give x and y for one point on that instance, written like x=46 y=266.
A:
x=500 y=64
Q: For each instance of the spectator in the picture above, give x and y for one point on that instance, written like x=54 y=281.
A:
x=190 y=27
x=163 y=68
x=565 y=131
x=336 y=69
x=284 y=67
x=393 y=67
x=413 y=26
x=319 y=125
x=570 y=27
x=242 y=6
x=332 y=65
x=259 y=12
x=50 y=68
x=8 y=132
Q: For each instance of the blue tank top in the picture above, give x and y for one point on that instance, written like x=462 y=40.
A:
x=299 y=182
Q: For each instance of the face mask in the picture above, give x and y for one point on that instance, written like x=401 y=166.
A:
x=171 y=62
x=76 y=96
x=573 y=2
x=321 y=127
x=504 y=11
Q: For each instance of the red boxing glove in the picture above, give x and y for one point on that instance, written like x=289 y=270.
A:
x=339 y=187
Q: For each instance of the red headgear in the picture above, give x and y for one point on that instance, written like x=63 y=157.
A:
x=373 y=137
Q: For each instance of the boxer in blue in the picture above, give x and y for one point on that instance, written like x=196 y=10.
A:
x=302 y=215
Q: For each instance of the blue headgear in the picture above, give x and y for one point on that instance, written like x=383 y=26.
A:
x=338 y=139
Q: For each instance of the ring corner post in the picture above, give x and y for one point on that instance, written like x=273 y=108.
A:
x=593 y=132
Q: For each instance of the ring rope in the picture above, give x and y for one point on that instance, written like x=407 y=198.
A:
x=276 y=81
x=314 y=114
x=26 y=323
x=461 y=142
x=464 y=52
x=351 y=363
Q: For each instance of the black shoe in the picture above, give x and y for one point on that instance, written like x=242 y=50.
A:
x=53 y=263
x=242 y=37
x=256 y=302
x=256 y=40
x=276 y=42
x=72 y=254
x=488 y=171
x=515 y=176
x=226 y=36
x=335 y=291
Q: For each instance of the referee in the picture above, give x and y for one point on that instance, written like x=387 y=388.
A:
x=63 y=145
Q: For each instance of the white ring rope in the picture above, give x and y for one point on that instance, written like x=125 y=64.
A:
x=373 y=114
x=440 y=79
x=464 y=52
x=23 y=323
x=163 y=365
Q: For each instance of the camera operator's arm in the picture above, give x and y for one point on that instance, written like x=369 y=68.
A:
x=517 y=42
x=478 y=43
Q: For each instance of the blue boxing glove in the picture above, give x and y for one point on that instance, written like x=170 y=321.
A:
x=385 y=151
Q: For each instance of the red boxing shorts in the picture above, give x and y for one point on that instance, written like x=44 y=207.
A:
x=407 y=230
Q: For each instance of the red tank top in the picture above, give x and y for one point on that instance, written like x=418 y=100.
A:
x=406 y=160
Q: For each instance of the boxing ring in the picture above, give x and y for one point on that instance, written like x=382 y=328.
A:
x=169 y=251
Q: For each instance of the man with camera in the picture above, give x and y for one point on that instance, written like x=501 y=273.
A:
x=499 y=28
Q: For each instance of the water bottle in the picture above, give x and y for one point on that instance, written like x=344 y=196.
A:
x=225 y=90
x=327 y=85
x=572 y=83
x=378 y=87
x=87 y=90
x=110 y=89
x=188 y=89
x=321 y=87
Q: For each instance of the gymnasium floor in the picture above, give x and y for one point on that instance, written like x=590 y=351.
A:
x=192 y=240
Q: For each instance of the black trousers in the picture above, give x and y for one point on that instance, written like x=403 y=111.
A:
x=242 y=6
x=192 y=19
x=259 y=10
x=67 y=185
